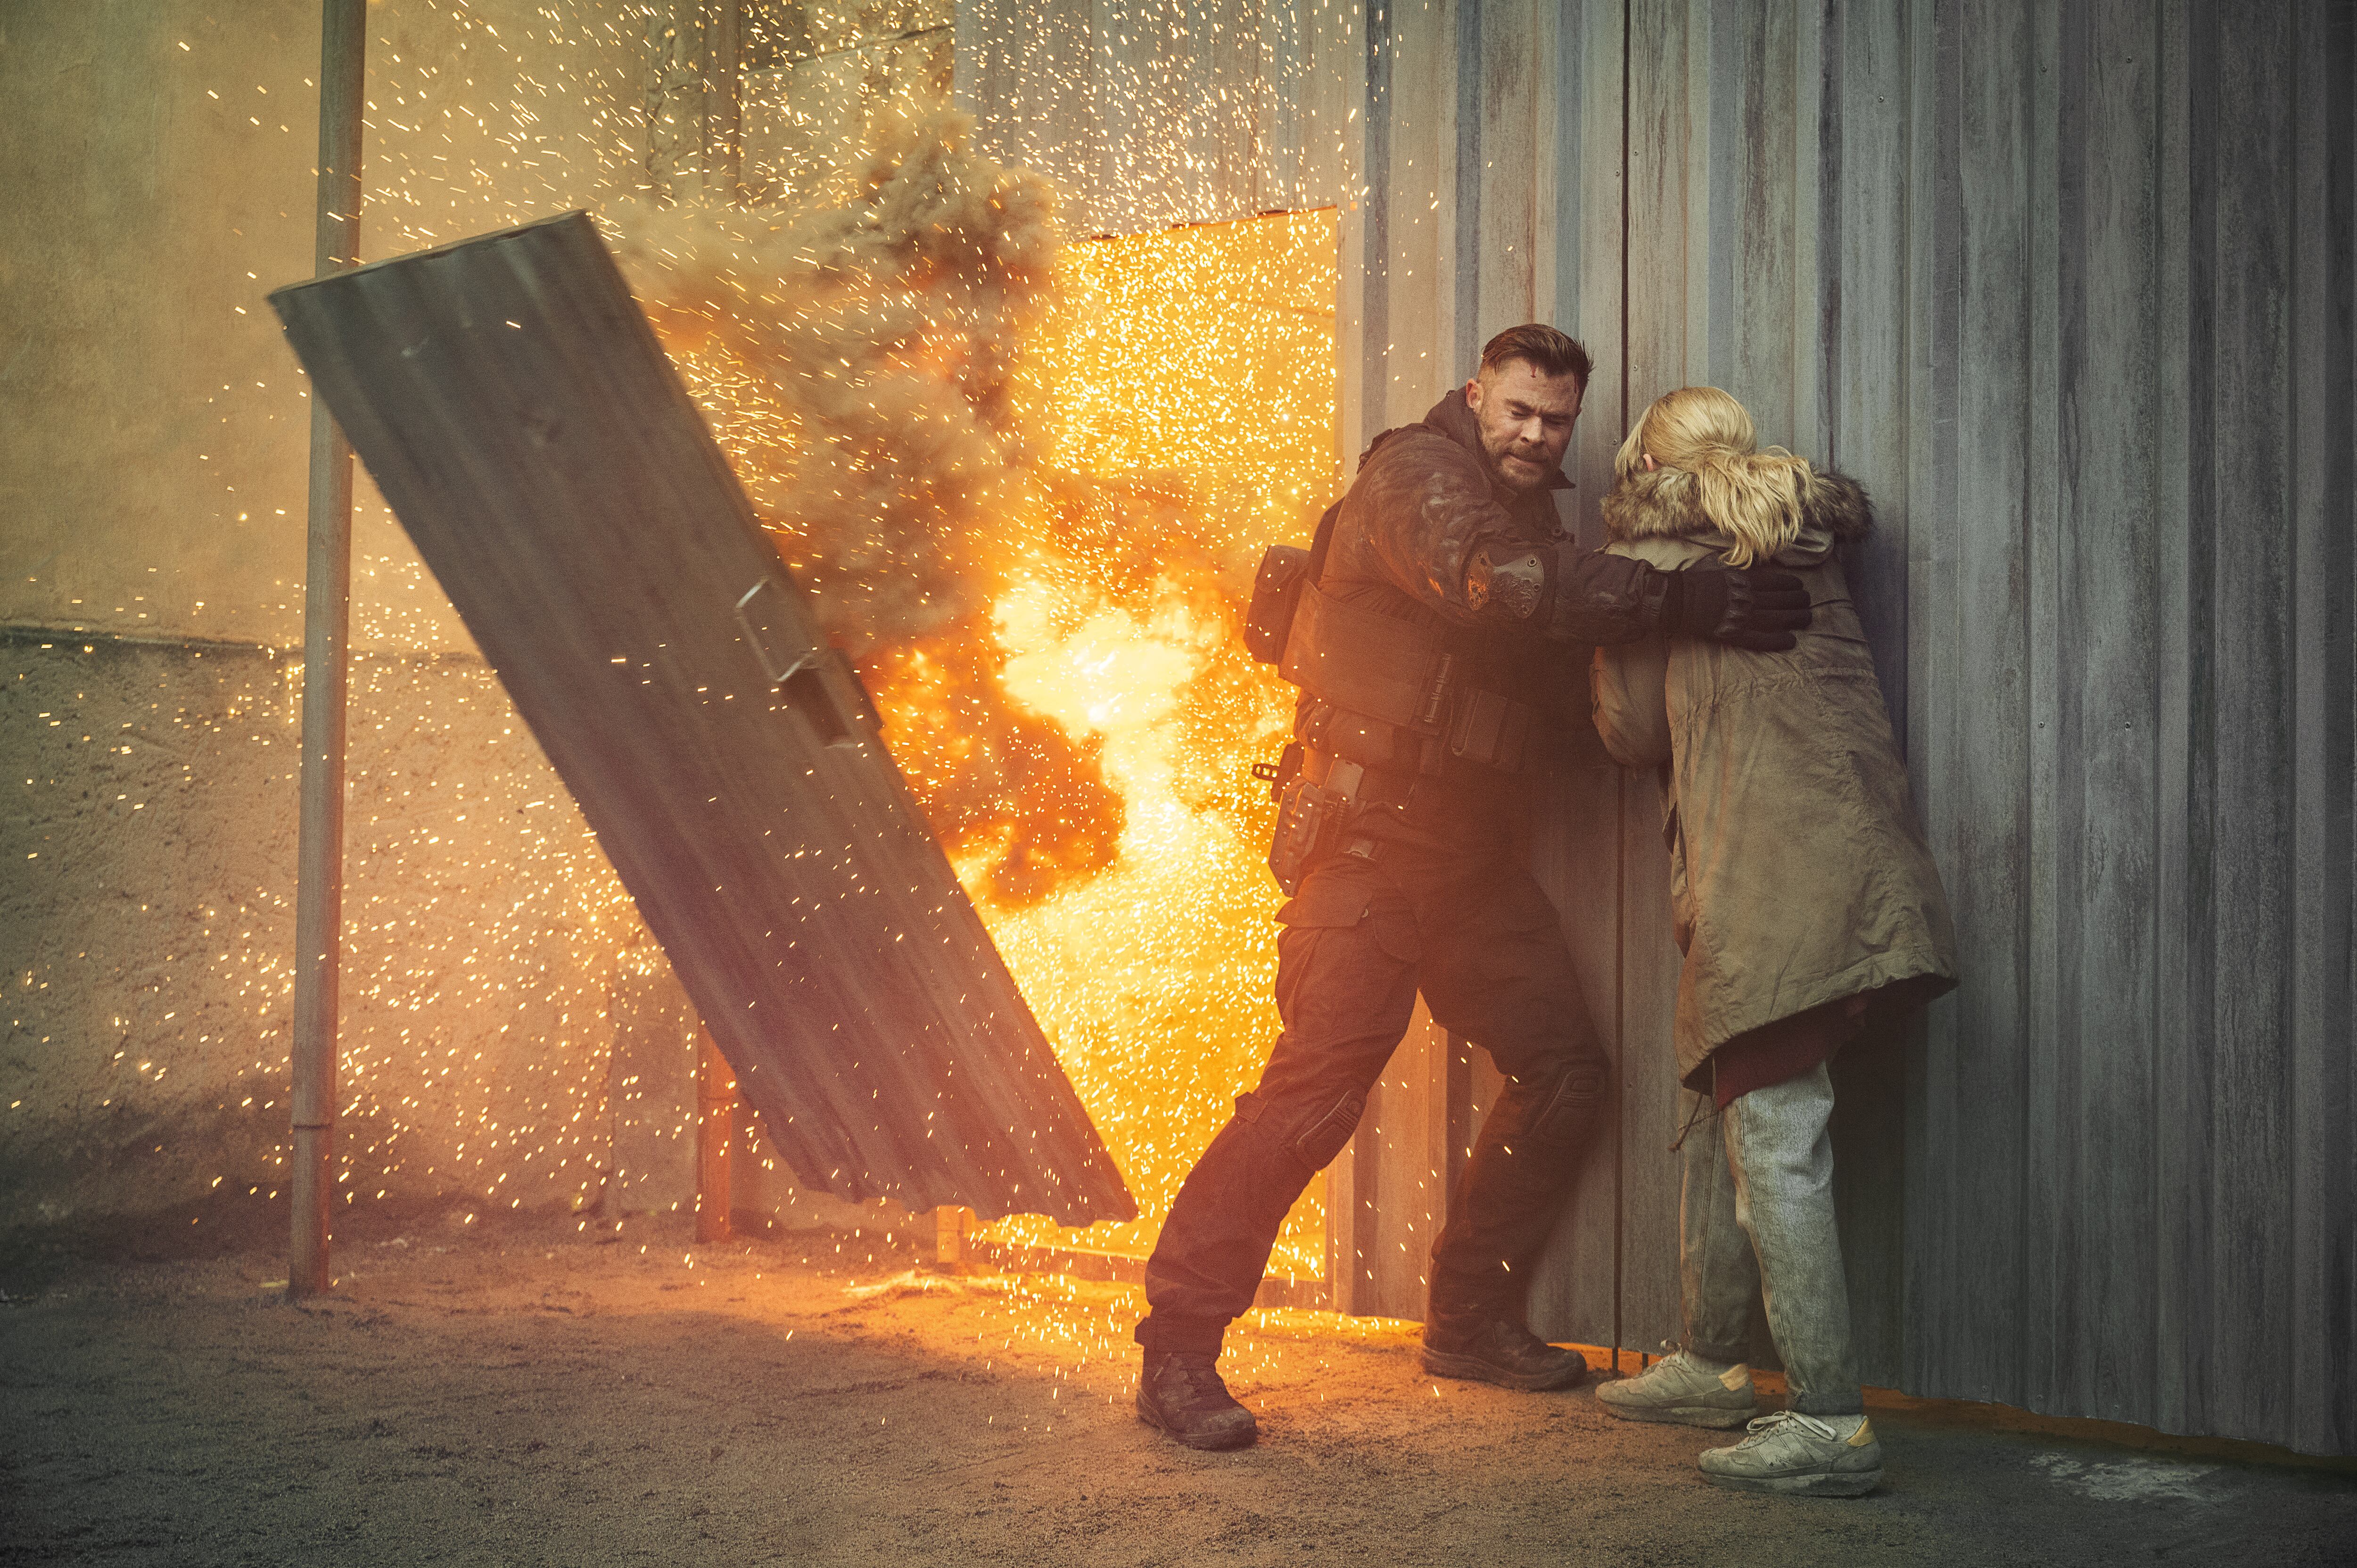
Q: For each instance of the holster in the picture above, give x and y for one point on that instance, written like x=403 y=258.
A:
x=1316 y=812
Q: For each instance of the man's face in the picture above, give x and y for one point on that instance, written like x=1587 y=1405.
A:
x=1525 y=419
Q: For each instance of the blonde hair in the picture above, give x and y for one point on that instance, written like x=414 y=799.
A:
x=1754 y=497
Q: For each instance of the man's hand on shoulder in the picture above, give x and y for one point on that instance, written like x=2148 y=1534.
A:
x=1756 y=607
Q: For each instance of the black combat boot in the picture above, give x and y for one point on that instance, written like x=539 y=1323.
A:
x=1181 y=1393
x=1498 y=1351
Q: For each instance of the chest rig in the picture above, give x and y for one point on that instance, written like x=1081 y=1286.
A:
x=1387 y=704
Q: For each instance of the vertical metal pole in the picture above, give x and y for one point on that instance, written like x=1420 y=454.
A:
x=1620 y=789
x=327 y=616
x=715 y=1130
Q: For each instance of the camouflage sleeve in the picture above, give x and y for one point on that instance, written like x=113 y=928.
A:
x=1422 y=507
x=1426 y=523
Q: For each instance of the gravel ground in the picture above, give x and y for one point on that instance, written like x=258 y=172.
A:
x=539 y=1392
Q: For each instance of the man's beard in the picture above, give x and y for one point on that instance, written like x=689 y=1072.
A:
x=1537 y=460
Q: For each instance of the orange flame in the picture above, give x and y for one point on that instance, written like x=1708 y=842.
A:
x=1190 y=377
x=1062 y=676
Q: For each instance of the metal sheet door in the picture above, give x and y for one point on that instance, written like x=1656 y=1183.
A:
x=512 y=403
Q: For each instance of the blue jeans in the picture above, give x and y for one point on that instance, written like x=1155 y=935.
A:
x=1757 y=1210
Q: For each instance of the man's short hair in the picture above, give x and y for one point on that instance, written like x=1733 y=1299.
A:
x=1545 y=350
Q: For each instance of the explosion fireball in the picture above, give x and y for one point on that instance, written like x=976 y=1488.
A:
x=1027 y=483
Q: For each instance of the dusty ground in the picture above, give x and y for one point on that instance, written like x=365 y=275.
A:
x=535 y=1394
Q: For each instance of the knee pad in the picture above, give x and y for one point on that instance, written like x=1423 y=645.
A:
x=1568 y=1101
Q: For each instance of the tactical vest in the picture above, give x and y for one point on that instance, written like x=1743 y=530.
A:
x=1386 y=693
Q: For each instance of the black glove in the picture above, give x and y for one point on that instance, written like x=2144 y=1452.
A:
x=1758 y=607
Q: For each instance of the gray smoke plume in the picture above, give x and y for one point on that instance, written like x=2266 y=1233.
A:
x=859 y=364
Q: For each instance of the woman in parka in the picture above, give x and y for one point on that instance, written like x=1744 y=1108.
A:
x=1807 y=905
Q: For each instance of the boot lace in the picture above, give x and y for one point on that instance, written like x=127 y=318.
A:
x=1762 y=1428
x=1199 y=1376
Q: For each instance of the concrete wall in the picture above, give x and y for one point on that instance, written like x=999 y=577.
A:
x=148 y=912
x=151 y=563
x=821 y=79
x=1151 y=113
x=157 y=426
x=154 y=424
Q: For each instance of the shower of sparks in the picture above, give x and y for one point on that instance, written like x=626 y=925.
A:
x=1027 y=487
x=1192 y=378
x=1030 y=486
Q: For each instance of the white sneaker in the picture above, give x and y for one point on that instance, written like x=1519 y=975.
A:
x=1683 y=1388
x=1809 y=1456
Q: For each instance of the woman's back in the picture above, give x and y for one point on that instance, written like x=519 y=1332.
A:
x=1800 y=872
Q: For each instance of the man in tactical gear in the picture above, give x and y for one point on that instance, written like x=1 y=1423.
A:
x=1440 y=638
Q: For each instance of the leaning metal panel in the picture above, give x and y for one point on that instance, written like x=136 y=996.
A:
x=512 y=403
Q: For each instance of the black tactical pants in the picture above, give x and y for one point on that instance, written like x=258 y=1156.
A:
x=1480 y=940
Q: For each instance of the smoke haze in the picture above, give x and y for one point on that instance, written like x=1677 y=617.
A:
x=861 y=365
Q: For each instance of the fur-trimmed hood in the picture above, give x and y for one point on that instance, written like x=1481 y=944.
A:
x=1665 y=505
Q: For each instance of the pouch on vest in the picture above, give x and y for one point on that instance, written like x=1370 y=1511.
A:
x=1385 y=683
x=1363 y=661
x=1490 y=729
x=1277 y=589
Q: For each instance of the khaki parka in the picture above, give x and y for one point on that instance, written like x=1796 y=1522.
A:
x=1799 y=872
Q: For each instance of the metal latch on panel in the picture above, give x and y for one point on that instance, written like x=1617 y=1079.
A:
x=797 y=668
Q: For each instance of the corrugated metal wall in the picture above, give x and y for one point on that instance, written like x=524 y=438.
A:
x=2069 y=287
x=1154 y=112
x=2125 y=439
